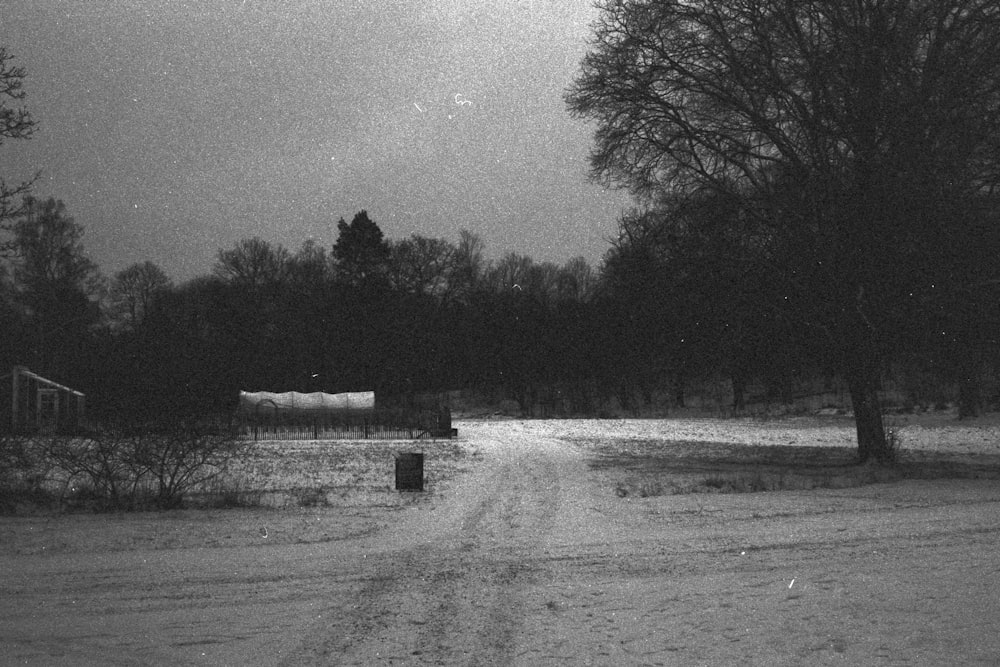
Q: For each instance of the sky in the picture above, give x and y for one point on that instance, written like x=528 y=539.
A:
x=172 y=129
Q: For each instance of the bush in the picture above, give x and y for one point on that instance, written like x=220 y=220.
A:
x=117 y=467
x=311 y=497
x=23 y=473
x=746 y=483
x=186 y=457
x=105 y=464
x=226 y=493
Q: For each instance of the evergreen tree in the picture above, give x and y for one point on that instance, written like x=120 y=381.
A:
x=361 y=253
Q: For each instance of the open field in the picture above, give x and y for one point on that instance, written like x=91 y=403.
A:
x=602 y=542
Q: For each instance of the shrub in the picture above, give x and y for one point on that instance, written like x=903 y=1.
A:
x=311 y=497
x=650 y=489
x=24 y=473
x=226 y=493
x=105 y=463
x=125 y=467
x=185 y=457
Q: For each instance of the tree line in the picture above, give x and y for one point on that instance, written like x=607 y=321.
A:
x=414 y=316
x=662 y=316
x=818 y=199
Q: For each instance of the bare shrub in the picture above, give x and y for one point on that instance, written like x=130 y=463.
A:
x=310 y=497
x=225 y=492
x=650 y=489
x=23 y=472
x=184 y=457
x=127 y=467
x=102 y=470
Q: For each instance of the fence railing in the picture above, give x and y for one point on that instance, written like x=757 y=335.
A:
x=362 y=425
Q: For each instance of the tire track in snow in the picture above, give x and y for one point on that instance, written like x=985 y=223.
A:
x=448 y=588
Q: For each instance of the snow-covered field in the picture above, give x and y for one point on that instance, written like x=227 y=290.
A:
x=521 y=552
x=942 y=433
x=361 y=473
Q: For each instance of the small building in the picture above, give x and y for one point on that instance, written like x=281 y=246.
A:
x=33 y=404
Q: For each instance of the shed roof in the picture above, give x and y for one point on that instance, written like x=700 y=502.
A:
x=21 y=370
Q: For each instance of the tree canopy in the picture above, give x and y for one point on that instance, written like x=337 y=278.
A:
x=858 y=141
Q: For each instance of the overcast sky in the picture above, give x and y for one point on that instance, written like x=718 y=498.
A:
x=174 y=128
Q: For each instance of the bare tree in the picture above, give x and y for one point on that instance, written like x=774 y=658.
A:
x=253 y=263
x=576 y=280
x=543 y=280
x=852 y=135
x=310 y=267
x=420 y=265
x=511 y=274
x=15 y=123
x=134 y=290
x=467 y=266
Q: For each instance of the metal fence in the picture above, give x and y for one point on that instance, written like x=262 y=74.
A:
x=384 y=424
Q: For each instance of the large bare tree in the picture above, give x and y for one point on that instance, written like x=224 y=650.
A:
x=253 y=264
x=856 y=136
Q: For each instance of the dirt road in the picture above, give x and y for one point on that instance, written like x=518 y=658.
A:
x=456 y=585
x=531 y=559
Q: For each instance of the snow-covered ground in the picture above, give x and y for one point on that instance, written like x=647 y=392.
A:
x=522 y=553
x=932 y=433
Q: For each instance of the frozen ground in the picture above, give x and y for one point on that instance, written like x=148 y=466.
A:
x=521 y=553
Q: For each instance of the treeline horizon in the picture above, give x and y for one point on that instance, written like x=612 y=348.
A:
x=421 y=316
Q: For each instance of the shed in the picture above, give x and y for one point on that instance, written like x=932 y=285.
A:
x=32 y=403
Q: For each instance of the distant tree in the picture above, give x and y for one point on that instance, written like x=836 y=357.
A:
x=257 y=279
x=853 y=138
x=543 y=280
x=134 y=290
x=310 y=267
x=510 y=274
x=197 y=355
x=56 y=283
x=253 y=264
x=467 y=267
x=15 y=123
x=11 y=322
x=361 y=253
x=576 y=280
x=421 y=265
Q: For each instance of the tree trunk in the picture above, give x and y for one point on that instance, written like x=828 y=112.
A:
x=970 y=395
x=739 y=393
x=625 y=396
x=863 y=384
x=679 y=392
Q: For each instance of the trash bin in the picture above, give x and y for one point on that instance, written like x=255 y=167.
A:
x=409 y=471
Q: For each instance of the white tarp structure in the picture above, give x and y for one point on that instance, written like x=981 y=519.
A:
x=293 y=402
